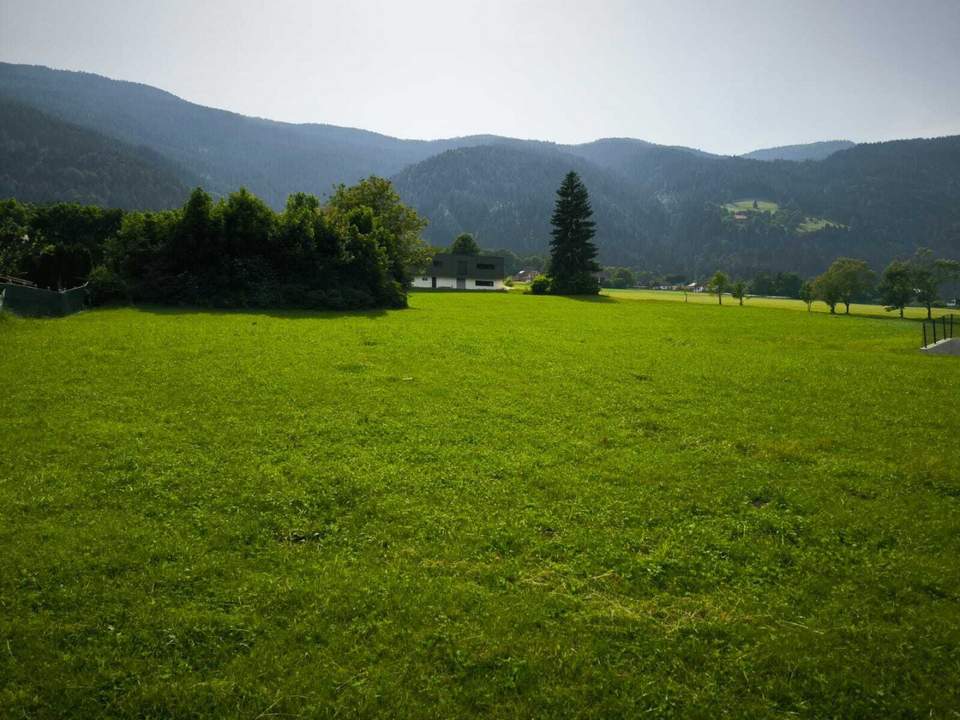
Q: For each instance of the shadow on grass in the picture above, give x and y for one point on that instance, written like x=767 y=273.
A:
x=590 y=298
x=281 y=313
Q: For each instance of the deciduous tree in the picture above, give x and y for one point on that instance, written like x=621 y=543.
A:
x=719 y=284
x=739 y=290
x=807 y=293
x=929 y=274
x=464 y=244
x=896 y=286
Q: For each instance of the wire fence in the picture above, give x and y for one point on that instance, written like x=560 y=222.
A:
x=937 y=329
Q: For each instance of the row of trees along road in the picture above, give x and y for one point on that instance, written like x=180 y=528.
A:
x=849 y=280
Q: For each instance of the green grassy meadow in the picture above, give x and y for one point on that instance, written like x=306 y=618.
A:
x=818 y=306
x=809 y=224
x=767 y=206
x=497 y=505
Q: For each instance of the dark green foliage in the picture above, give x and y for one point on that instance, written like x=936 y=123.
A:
x=781 y=284
x=854 y=280
x=54 y=246
x=808 y=293
x=572 y=252
x=620 y=277
x=354 y=252
x=464 y=244
x=273 y=159
x=929 y=275
x=846 y=280
x=661 y=208
x=896 y=286
x=540 y=285
x=43 y=159
x=826 y=287
x=104 y=286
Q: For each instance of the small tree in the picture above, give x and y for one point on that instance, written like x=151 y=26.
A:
x=572 y=252
x=622 y=278
x=896 y=286
x=845 y=280
x=465 y=244
x=719 y=284
x=739 y=290
x=807 y=294
x=929 y=274
x=855 y=279
x=540 y=285
x=826 y=287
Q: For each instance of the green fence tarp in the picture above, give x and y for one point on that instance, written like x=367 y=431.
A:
x=35 y=302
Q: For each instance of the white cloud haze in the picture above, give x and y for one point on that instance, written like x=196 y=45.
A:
x=727 y=77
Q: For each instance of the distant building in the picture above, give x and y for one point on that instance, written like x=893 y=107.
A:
x=525 y=276
x=462 y=272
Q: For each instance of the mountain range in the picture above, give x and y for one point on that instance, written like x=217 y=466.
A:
x=85 y=138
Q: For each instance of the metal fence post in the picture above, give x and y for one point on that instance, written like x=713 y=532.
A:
x=934 y=332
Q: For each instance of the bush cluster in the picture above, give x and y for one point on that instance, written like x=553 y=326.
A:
x=355 y=251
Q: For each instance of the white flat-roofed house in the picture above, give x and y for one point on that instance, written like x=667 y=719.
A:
x=461 y=272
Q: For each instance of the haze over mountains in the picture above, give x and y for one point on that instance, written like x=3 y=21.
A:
x=809 y=151
x=81 y=137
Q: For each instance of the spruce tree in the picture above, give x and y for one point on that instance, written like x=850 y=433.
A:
x=572 y=253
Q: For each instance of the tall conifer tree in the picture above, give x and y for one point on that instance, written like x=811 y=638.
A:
x=572 y=251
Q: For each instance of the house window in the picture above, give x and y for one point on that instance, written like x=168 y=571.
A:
x=483 y=283
x=485 y=266
x=425 y=279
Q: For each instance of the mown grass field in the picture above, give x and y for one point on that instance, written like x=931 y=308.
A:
x=484 y=506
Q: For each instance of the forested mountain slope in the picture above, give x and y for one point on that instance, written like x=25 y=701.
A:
x=505 y=195
x=219 y=149
x=43 y=159
x=673 y=209
x=668 y=208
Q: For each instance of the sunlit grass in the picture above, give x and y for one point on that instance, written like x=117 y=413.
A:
x=497 y=505
x=915 y=313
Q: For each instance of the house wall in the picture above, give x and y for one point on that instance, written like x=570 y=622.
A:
x=472 y=285
x=449 y=283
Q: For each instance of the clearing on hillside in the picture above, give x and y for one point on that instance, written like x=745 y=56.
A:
x=484 y=506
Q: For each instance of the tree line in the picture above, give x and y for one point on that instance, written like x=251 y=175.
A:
x=919 y=279
x=357 y=250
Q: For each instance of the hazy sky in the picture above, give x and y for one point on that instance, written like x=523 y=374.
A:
x=725 y=76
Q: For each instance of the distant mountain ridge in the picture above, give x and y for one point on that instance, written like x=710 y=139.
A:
x=220 y=149
x=798 y=153
x=656 y=206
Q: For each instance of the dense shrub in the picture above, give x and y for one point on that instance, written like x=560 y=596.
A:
x=105 y=286
x=540 y=285
x=355 y=252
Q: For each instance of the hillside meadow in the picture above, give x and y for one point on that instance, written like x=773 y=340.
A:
x=496 y=505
